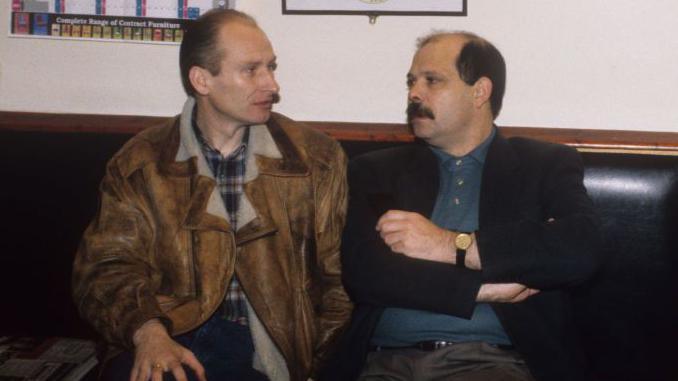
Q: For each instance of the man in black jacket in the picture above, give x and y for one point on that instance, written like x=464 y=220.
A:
x=459 y=251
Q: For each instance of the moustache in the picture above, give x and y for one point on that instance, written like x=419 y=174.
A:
x=415 y=109
x=275 y=98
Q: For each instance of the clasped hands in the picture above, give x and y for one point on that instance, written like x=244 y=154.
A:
x=415 y=236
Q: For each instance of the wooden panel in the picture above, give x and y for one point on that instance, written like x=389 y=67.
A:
x=583 y=139
x=76 y=122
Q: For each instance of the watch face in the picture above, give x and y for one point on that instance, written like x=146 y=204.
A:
x=463 y=241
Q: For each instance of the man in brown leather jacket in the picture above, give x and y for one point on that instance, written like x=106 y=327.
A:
x=215 y=250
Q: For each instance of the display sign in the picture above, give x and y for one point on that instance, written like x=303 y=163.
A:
x=159 y=21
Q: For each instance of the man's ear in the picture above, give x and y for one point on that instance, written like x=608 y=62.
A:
x=200 y=79
x=482 y=90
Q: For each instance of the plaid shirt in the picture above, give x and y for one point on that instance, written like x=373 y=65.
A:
x=229 y=173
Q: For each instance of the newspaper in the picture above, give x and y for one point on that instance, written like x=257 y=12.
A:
x=51 y=359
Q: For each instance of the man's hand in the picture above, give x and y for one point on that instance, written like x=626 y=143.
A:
x=413 y=235
x=156 y=353
x=504 y=293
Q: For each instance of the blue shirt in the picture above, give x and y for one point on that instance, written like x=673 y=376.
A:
x=456 y=208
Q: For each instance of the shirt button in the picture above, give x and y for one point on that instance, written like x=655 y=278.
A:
x=458 y=162
x=456 y=201
x=460 y=182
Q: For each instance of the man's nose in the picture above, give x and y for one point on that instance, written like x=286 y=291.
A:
x=414 y=93
x=269 y=83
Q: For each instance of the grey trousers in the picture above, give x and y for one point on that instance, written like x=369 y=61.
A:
x=474 y=361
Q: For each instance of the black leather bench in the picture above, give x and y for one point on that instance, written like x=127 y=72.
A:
x=628 y=314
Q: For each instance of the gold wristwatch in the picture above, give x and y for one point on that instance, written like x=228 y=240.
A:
x=462 y=241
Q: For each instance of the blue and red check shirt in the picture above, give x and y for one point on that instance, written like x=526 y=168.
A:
x=229 y=173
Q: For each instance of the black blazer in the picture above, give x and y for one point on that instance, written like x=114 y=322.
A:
x=537 y=227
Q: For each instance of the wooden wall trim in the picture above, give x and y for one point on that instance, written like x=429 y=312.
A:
x=583 y=139
x=30 y=121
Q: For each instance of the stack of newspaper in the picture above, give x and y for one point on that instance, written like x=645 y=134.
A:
x=51 y=359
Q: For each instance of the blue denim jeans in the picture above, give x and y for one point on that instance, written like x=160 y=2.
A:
x=224 y=349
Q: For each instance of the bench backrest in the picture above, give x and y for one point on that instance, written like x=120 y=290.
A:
x=627 y=314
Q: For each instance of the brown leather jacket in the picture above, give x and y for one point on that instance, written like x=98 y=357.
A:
x=161 y=247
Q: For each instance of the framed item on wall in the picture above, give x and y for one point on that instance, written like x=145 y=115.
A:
x=376 y=7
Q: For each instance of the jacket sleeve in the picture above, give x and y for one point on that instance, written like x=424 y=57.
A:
x=335 y=307
x=375 y=275
x=112 y=278
x=556 y=247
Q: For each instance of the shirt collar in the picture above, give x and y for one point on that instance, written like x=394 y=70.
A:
x=478 y=154
x=204 y=144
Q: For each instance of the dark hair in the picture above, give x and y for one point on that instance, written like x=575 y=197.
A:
x=199 y=45
x=477 y=58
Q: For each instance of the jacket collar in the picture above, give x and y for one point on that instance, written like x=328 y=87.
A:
x=500 y=183
x=418 y=185
x=270 y=152
x=270 y=149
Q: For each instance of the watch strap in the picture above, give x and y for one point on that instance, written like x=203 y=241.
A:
x=461 y=258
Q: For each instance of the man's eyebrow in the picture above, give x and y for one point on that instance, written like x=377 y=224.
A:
x=425 y=74
x=431 y=73
x=260 y=62
x=253 y=63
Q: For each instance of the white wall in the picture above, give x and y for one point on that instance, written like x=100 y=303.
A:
x=601 y=64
